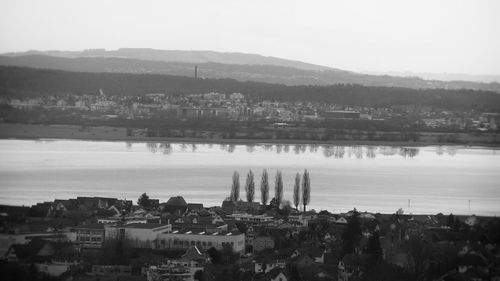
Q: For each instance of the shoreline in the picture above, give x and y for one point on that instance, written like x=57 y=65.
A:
x=118 y=134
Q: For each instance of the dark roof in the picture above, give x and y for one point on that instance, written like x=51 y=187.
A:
x=193 y=253
x=90 y=226
x=273 y=273
x=176 y=201
x=31 y=250
x=194 y=206
x=142 y=225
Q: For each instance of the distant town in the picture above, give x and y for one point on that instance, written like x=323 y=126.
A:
x=236 y=107
x=217 y=116
x=96 y=238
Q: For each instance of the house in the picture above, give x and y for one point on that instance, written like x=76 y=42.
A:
x=194 y=254
x=341 y=220
x=182 y=270
x=303 y=220
x=277 y=274
x=261 y=243
x=217 y=219
x=89 y=235
x=175 y=205
x=194 y=206
x=252 y=219
x=53 y=269
x=37 y=250
x=228 y=206
x=42 y=251
x=265 y=267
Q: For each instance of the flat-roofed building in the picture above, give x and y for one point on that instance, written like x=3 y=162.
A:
x=89 y=235
x=342 y=114
x=203 y=240
x=140 y=235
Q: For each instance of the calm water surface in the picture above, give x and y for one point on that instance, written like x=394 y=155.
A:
x=374 y=178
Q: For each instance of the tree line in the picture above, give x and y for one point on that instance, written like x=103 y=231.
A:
x=18 y=81
x=301 y=189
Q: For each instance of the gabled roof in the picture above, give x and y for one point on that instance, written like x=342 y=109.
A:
x=194 y=206
x=273 y=273
x=193 y=253
x=31 y=250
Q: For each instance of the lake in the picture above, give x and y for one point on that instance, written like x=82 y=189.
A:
x=432 y=179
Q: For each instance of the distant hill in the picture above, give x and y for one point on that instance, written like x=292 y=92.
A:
x=239 y=66
x=178 y=56
x=17 y=81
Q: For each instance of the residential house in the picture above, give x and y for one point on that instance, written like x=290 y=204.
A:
x=266 y=266
x=262 y=242
x=176 y=205
x=277 y=274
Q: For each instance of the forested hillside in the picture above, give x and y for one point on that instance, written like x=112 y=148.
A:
x=16 y=81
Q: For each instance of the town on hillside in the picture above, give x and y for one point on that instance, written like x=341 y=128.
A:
x=97 y=238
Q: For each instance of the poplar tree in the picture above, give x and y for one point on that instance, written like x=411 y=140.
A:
x=235 y=188
x=250 y=186
x=306 y=189
x=278 y=189
x=296 y=191
x=264 y=188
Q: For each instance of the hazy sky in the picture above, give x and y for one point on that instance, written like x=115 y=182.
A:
x=419 y=36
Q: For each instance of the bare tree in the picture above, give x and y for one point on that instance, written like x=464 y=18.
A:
x=278 y=189
x=306 y=189
x=250 y=186
x=264 y=188
x=235 y=188
x=296 y=191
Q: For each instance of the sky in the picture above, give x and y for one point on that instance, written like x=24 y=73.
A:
x=433 y=36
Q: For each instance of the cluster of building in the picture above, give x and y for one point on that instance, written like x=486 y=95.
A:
x=270 y=243
x=236 y=106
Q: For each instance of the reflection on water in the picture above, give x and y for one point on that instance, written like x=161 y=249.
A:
x=328 y=151
x=436 y=179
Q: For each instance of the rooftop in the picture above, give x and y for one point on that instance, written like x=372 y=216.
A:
x=90 y=226
x=198 y=232
x=142 y=225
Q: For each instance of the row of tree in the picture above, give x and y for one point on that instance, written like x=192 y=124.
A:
x=301 y=189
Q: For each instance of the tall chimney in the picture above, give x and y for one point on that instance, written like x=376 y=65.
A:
x=195 y=71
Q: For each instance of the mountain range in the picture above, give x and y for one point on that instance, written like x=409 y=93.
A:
x=210 y=64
